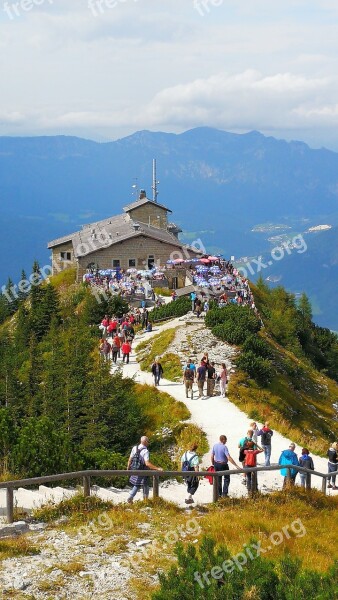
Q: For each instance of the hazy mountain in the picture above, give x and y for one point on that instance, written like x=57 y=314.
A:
x=218 y=184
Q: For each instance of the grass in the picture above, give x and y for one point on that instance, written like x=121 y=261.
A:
x=305 y=517
x=149 y=349
x=190 y=433
x=77 y=506
x=72 y=567
x=160 y=409
x=297 y=402
x=301 y=520
x=20 y=546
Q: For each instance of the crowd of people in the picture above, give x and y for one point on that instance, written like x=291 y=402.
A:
x=220 y=458
x=127 y=283
x=117 y=334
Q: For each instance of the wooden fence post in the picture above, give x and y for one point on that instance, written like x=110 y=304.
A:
x=324 y=485
x=155 y=486
x=254 y=481
x=308 y=481
x=86 y=486
x=10 y=505
x=215 y=488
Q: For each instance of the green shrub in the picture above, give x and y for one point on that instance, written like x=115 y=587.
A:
x=178 y=308
x=232 y=323
x=256 y=367
x=227 y=332
x=257 y=346
x=250 y=578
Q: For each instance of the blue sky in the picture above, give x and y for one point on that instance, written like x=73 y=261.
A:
x=107 y=69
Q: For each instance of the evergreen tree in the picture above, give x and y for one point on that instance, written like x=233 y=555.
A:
x=21 y=292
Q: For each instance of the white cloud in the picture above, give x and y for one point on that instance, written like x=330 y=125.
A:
x=159 y=64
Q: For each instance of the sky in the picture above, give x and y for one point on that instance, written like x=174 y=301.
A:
x=102 y=69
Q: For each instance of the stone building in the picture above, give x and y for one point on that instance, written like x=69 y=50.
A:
x=139 y=238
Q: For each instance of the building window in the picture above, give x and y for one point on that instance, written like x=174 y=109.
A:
x=132 y=262
x=116 y=262
x=151 y=261
x=65 y=256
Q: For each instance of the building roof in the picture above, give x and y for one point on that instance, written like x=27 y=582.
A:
x=106 y=233
x=143 y=201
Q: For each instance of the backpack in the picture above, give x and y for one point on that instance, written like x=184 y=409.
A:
x=137 y=461
x=266 y=437
x=186 y=465
x=250 y=458
x=189 y=374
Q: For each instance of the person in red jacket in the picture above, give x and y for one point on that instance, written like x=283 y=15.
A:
x=126 y=349
x=250 y=460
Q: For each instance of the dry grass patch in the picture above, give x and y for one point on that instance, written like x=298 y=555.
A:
x=20 y=546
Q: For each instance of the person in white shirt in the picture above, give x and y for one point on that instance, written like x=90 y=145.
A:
x=139 y=481
x=193 y=461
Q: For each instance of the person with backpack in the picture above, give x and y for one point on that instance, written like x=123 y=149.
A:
x=190 y=462
x=220 y=458
x=250 y=460
x=188 y=380
x=138 y=461
x=305 y=461
x=289 y=457
x=116 y=345
x=242 y=445
x=266 y=434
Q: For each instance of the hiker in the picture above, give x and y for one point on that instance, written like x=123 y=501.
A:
x=250 y=460
x=255 y=430
x=188 y=380
x=223 y=379
x=126 y=350
x=211 y=379
x=266 y=434
x=289 y=457
x=173 y=296
x=220 y=458
x=105 y=349
x=193 y=298
x=157 y=370
x=332 y=465
x=201 y=377
x=116 y=345
x=206 y=307
x=198 y=307
x=139 y=460
x=242 y=445
x=145 y=316
x=305 y=461
x=190 y=462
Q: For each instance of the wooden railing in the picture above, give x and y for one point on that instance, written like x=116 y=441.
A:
x=86 y=477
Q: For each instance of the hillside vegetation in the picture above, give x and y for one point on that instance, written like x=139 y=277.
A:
x=60 y=407
x=297 y=558
x=287 y=368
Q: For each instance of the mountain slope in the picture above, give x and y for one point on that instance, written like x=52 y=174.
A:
x=218 y=184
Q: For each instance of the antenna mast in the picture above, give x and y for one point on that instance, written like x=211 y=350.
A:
x=155 y=182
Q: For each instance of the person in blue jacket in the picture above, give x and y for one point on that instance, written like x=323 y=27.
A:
x=289 y=457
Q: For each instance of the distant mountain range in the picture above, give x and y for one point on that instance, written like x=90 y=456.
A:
x=220 y=186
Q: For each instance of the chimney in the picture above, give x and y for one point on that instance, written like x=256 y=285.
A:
x=143 y=194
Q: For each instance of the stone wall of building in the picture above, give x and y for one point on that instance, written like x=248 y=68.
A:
x=61 y=263
x=139 y=249
x=150 y=215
